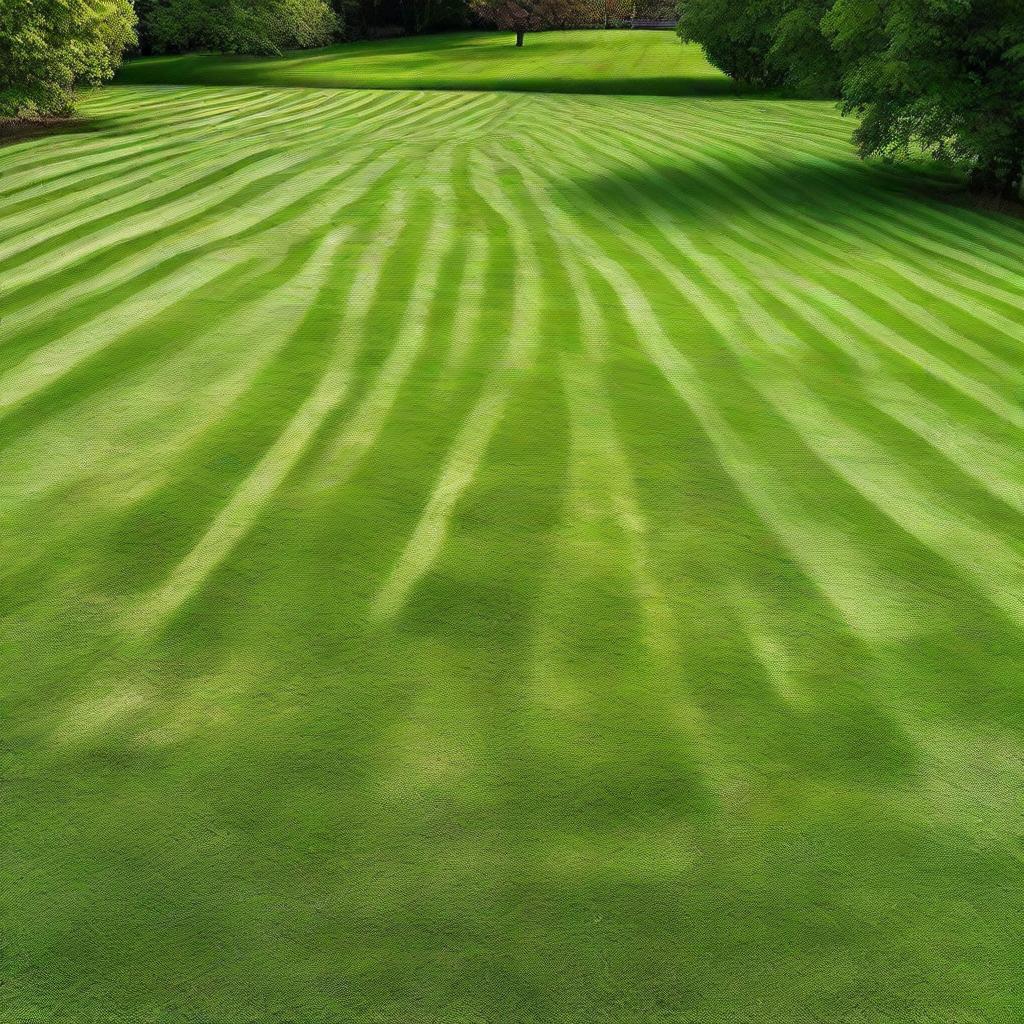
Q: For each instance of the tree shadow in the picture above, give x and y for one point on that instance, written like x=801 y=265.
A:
x=825 y=190
x=12 y=132
x=457 y=62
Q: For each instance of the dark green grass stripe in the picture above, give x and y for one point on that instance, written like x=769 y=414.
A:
x=596 y=570
x=712 y=420
x=160 y=281
x=958 y=343
x=224 y=155
x=194 y=182
x=129 y=353
x=982 y=554
x=916 y=241
x=245 y=504
x=247 y=202
x=313 y=330
x=168 y=157
x=186 y=138
x=648 y=129
x=258 y=148
x=944 y=227
x=756 y=156
x=396 y=335
x=57 y=165
x=1001 y=369
x=775 y=504
x=235 y=285
x=361 y=523
x=425 y=111
x=247 y=177
x=736 y=288
x=987 y=439
x=470 y=443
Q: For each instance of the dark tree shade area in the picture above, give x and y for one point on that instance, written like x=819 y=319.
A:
x=939 y=78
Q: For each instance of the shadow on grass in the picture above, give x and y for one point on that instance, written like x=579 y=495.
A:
x=667 y=86
x=824 y=190
x=225 y=72
x=21 y=131
x=653 y=64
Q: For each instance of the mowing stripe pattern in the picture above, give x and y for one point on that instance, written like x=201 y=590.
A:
x=442 y=530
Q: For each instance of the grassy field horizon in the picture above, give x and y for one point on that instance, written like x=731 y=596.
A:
x=505 y=558
x=612 y=62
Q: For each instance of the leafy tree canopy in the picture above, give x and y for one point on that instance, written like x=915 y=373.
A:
x=47 y=47
x=945 y=77
x=235 y=26
x=735 y=36
x=765 y=43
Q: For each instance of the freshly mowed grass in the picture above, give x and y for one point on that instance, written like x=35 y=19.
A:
x=478 y=557
x=610 y=62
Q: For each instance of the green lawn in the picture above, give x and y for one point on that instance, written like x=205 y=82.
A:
x=644 y=62
x=522 y=559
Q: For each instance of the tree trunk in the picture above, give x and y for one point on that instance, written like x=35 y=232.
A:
x=998 y=179
x=984 y=179
x=519 y=36
x=1014 y=178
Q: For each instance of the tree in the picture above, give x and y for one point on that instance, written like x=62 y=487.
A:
x=765 y=43
x=808 y=63
x=736 y=36
x=48 y=47
x=235 y=26
x=520 y=16
x=939 y=77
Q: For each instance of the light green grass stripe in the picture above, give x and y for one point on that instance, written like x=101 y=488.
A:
x=237 y=517
x=831 y=561
x=969 y=550
x=470 y=444
x=364 y=425
x=663 y=604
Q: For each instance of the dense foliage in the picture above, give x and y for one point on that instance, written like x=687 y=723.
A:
x=809 y=66
x=765 y=43
x=941 y=76
x=937 y=77
x=47 y=47
x=737 y=41
x=235 y=26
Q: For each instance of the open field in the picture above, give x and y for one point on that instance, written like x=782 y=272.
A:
x=473 y=557
x=612 y=62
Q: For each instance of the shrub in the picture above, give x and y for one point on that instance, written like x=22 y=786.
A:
x=48 y=47
x=235 y=26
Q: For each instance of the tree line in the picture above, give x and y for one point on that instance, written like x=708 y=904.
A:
x=936 y=78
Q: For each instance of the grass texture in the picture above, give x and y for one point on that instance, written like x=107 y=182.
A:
x=610 y=62
x=499 y=558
